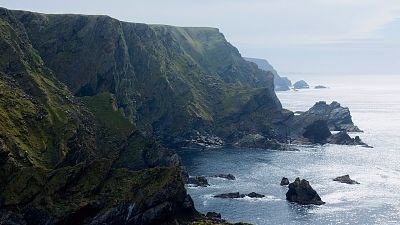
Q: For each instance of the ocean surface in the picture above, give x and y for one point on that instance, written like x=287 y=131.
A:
x=374 y=102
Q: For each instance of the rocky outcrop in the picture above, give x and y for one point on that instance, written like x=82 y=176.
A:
x=238 y=195
x=343 y=138
x=200 y=181
x=284 y=181
x=320 y=87
x=225 y=176
x=301 y=84
x=338 y=118
x=345 y=179
x=301 y=192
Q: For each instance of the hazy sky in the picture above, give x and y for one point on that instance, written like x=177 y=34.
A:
x=298 y=36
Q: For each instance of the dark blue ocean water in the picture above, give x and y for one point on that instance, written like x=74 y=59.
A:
x=375 y=106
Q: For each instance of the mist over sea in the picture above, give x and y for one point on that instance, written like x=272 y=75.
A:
x=374 y=102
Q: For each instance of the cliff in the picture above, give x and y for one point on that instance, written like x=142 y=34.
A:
x=174 y=83
x=280 y=83
x=66 y=160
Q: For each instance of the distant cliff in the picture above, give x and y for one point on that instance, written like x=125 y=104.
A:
x=281 y=83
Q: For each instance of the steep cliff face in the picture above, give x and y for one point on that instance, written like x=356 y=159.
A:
x=66 y=160
x=172 y=82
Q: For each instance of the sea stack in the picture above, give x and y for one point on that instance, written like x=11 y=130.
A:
x=301 y=192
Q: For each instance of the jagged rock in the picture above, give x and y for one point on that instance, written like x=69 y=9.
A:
x=284 y=181
x=300 y=191
x=198 y=181
x=345 y=179
x=320 y=87
x=301 y=84
x=238 y=195
x=225 y=176
x=337 y=117
x=343 y=138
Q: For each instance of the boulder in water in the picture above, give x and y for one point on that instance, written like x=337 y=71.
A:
x=200 y=181
x=300 y=191
x=284 y=181
x=301 y=84
x=345 y=179
x=255 y=195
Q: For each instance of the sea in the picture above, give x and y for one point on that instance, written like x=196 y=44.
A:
x=374 y=102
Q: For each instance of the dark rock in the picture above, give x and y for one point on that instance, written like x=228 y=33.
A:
x=229 y=195
x=198 y=181
x=260 y=141
x=238 y=195
x=213 y=215
x=337 y=117
x=301 y=84
x=320 y=87
x=225 y=176
x=255 y=195
x=345 y=179
x=300 y=191
x=317 y=132
x=343 y=138
x=284 y=181
x=204 y=141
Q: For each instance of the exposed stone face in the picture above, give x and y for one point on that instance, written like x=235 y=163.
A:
x=345 y=179
x=300 y=191
x=317 y=132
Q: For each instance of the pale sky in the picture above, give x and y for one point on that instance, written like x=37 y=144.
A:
x=297 y=36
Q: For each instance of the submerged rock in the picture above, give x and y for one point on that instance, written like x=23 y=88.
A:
x=225 y=176
x=229 y=195
x=200 y=181
x=284 y=181
x=345 y=179
x=320 y=87
x=300 y=191
x=301 y=84
x=255 y=195
x=238 y=195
